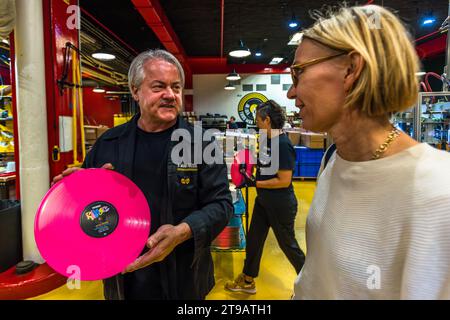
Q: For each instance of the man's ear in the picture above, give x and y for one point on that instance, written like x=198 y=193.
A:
x=354 y=69
x=134 y=94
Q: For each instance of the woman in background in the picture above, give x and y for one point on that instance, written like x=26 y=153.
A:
x=275 y=204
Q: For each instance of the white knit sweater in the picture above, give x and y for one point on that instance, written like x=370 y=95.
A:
x=380 y=229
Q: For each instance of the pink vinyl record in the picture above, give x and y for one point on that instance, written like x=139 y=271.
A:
x=92 y=224
x=242 y=157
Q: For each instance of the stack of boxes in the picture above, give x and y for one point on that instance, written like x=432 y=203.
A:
x=312 y=140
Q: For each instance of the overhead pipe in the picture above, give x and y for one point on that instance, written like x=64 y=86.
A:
x=108 y=30
x=222 y=14
x=429 y=35
x=91 y=73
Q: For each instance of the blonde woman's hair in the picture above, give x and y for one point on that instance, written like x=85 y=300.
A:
x=388 y=82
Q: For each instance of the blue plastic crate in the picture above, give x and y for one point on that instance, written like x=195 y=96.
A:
x=309 y=170
x=296 y=171
x=306 y=155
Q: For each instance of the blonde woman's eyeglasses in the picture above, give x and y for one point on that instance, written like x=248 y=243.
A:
x=298 y=69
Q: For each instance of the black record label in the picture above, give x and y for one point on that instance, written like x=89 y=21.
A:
x=99 y=219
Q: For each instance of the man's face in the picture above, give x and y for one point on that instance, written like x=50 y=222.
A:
x=160 y=94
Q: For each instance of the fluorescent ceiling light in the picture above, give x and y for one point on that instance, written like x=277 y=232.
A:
x=419 y=74
x=276 y=60
x=296 y=39
x=117 y=92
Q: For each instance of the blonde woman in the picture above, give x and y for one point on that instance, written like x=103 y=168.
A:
x=379 y=223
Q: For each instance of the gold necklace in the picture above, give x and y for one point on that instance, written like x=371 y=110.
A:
x=383 y=147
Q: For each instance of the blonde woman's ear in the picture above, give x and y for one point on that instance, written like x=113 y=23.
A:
x=354 y=70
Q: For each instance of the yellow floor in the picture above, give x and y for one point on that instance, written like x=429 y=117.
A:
x=276 y=276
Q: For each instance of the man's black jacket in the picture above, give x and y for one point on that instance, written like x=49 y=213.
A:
x=198 y=195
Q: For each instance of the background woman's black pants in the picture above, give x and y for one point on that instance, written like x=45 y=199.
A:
x=278 y=212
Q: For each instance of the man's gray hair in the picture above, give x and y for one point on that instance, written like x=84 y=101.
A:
x=136 y=72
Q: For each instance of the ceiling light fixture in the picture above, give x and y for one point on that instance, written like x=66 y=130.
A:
x=241 y=51
x=103 y=54
x=230 y=86
x=98 y=89
x=233 y=76
x=293 y=23
x=428 y=21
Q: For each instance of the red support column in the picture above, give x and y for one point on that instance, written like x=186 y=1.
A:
x=14 y=111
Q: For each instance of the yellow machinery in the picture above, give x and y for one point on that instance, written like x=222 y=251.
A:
x=77 y=106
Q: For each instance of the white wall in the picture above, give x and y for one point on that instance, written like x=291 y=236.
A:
x=211 y=97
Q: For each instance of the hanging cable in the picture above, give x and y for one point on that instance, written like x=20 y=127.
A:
x=424 y=86
x=434 y=75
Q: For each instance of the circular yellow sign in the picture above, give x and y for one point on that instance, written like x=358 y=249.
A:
x=247 y=107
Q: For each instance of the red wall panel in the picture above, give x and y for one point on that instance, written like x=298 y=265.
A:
x=4 y=73
x=56 y=33
x=98 y=109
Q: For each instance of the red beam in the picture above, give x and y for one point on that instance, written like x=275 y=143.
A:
x=156 y=19
x=432 y=47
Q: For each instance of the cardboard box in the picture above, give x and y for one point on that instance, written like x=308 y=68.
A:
x=294 y=136
x=101 y=130
x=313 y=140
x=92 y=133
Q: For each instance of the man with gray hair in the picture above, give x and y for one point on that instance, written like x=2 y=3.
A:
x=190 y=204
